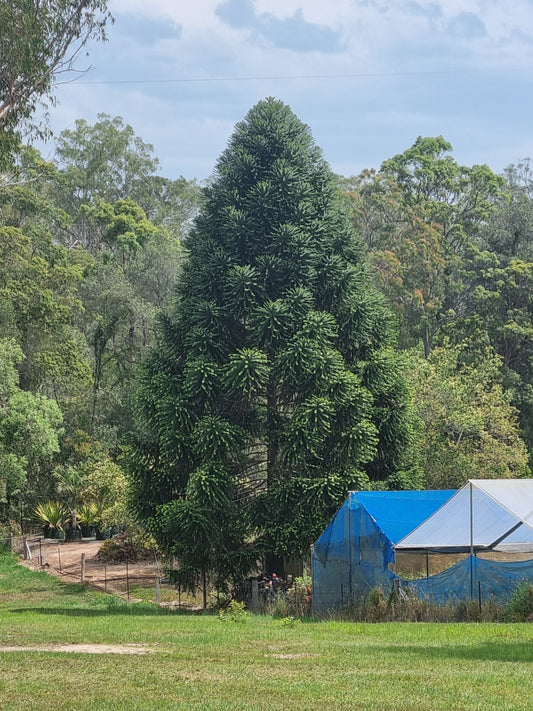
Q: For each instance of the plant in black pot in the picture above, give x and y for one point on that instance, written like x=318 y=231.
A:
x=52 y=515
x=70 y=488
x=88 y=517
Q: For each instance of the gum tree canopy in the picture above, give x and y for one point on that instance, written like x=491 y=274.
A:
x=39 y=40
x=274 y=387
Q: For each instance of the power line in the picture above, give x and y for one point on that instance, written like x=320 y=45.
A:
x=355 y=75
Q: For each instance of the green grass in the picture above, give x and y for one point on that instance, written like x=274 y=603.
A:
x=201 y=662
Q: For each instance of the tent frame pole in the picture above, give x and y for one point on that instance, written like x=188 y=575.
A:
x=471 y=543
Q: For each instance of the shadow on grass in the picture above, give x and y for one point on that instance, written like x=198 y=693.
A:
x=113 y=608
x=497 y=651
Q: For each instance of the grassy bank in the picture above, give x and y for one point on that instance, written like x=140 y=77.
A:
x=201 y=662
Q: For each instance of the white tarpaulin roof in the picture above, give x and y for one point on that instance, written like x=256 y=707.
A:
x=484 y=513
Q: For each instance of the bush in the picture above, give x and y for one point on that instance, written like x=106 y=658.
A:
x=235 y=612
x=290 y=622
x=128 y=547
x=520 y=606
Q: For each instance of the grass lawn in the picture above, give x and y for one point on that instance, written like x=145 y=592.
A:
x=201 y=662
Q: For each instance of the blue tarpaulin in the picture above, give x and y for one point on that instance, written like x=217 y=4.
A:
x=472 y=578
x=354 y=553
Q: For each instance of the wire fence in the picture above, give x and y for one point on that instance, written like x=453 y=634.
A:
x=77 y=562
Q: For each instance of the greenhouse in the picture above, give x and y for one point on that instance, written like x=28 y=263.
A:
x=444 y=546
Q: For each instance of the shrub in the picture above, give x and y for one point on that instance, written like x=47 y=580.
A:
x=87 y=514
x=51 y=514
x=289 y=622
x=235 y=612
x=520 y=606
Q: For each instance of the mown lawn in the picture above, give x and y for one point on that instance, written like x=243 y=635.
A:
x=201 y=662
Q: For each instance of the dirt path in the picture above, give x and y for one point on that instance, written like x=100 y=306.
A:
x=74 y=560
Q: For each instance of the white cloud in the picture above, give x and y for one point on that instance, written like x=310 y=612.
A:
x=382 y=33
x=388 y=47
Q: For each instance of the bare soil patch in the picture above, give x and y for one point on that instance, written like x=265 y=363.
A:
x=74 y=560
x=82 y=648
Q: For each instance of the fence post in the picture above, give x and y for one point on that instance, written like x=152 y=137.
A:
x=157 y=592
x=83 y=567
x=254 y=602
x=10 y=541
x=128 y=580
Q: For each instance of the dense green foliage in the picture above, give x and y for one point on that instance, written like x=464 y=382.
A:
x=300 y=355
x=451 y=247
x=39 y=40
x=468 y=423
x=274 y=386
x=76 y=319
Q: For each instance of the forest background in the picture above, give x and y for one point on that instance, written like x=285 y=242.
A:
x=93 y=251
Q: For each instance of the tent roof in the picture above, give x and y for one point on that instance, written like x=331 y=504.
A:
x=397 y=513
x=502 y=516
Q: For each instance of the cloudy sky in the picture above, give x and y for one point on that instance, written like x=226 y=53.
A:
x=368 y=76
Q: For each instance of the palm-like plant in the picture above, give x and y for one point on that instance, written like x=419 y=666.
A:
x=70 y=486
x=88 y=516
x=51 y=514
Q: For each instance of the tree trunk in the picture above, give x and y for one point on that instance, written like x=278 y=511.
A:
x=272 y=449
x=426 y=340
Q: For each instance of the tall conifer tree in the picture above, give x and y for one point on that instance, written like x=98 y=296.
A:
x=274 y=387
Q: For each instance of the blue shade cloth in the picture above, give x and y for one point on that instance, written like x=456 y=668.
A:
x=353 y=554
x=472 y=578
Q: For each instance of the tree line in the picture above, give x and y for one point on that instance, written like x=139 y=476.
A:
x=249 y=350
x=222 y=362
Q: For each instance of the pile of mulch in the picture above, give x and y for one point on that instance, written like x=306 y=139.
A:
x=122 y=550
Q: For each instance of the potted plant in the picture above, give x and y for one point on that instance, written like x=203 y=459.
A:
x=52 y=515
x=88 y=516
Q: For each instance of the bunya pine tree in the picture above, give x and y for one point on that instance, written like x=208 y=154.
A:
x=274 y=387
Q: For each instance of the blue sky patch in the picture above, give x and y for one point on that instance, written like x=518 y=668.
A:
x=467 y=25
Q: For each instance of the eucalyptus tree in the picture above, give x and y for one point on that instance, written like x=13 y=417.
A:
x=470 y=428
x=121 y=294
x=108 y=161
x=421 y=215
x=497 y=306
x=30 y=430
x=274 y=386
x=40 y=40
